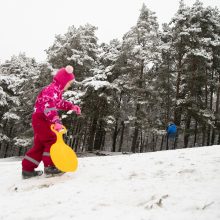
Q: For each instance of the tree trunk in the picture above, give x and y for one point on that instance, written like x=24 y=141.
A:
x=216 y=113
x=206 y=89
x=161 y=145
x=98 y=136
x=6 y=150
x=103 y=140
x=76 y=137
x=187 y=132
x=153 y=143
x=91 y=135
x=114 y=138
x=84 y=138
x=178 y=110
x=176 y=141
x=210 y=106
x=136 y=131
x=141 y=143
x=142 y=146
x=137 y=113
x=168 y=116
x=213 y=136
x=134 y=141
x=147 y=144
x=203 y=135
x=116 y=130
x=195 y=133
x=208 y=135
x=167 y=142
x=122 y=136
x=218 y=142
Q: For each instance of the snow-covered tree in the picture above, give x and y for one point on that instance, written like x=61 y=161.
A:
x=99 y=89
x=78 y=47
x=140 y=46
x=189 y=40
x=21 y=80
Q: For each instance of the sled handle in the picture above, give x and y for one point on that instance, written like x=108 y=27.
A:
x=63 y=131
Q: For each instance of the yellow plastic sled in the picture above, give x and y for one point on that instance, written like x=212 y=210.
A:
x=62 y=155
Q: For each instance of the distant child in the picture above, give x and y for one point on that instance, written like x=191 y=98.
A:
x=48 y=102
x=171 y=131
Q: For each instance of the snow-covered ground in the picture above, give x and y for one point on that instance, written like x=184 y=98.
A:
x=169 y=185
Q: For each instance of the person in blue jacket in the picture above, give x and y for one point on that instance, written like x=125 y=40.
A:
x=171 y=131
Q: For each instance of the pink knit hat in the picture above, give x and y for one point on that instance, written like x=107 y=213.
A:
x=64 y=75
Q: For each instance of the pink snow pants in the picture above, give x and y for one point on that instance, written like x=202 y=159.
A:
x=43 y=140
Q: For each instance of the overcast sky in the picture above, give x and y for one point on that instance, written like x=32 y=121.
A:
x=30 y=25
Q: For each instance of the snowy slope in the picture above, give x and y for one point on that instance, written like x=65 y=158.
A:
x=169 y=185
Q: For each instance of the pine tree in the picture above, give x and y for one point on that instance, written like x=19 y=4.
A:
x=21 y=80
x=78 y=47
x=140 y=48
x=192 y=32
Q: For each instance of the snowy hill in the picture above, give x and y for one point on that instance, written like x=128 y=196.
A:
x=169 y=185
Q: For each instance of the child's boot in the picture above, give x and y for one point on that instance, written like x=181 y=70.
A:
x=52 y=170
x=29 y=174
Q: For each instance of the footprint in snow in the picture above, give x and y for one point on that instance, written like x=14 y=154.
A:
x=185 y=171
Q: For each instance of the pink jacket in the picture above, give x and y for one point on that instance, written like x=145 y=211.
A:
x=49 y=101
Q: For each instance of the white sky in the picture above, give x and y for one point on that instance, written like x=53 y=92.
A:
x=30 y=25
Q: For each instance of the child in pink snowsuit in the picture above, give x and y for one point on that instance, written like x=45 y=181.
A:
x=48 y=102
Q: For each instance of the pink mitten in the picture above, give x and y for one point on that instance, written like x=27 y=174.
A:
x=77 y=109
x=58 y=127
